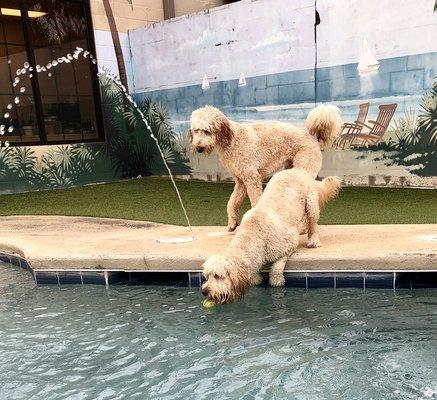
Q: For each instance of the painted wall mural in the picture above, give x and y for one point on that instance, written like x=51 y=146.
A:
x=128 y=151
x=412 y=140
x=261 y=60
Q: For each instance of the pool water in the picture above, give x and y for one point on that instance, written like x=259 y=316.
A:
x=151 y=342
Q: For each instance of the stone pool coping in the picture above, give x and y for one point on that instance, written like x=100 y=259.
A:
x=79 y=249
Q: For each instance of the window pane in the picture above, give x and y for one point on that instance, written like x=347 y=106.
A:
x=59 y=27
x=17 y=102
x=13 y=34
x=2 y=35
x=86 y=117
x=5 y=78
x=17 y=57
x=11 y=22
x=22 y=118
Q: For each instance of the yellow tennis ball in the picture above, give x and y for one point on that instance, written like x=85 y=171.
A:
x=208 y=303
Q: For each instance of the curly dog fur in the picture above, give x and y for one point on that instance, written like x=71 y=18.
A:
x=252 y=151
x=269 y=233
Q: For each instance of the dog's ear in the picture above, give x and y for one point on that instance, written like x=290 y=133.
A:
x=240 y=280
x=224 y=133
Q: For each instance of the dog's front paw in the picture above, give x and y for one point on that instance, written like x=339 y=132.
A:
x=256 y=280
x=313 y=243
x=232 y=226
x=277 y=280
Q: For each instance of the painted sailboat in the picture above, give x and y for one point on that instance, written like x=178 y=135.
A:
x=242 y=80
x=368 y=63
x=205 y=83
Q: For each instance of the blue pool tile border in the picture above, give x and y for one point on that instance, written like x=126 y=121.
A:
x=293 y=279
x=296 y=279
x=349 y=279
x=321 y=280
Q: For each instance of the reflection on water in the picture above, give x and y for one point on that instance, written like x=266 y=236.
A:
x=152 y=342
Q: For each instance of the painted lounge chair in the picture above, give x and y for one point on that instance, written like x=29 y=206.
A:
x=356 y=127
x=377 y=129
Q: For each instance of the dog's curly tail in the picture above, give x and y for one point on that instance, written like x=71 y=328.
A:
x=328 y=188
x=324 y=123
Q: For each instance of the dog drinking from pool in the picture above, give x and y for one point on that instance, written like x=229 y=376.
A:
x=269 y=233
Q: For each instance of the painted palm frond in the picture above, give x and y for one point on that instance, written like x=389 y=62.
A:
x=63 y=156
x=169 y=155
x=6 y=160
x=148 y=109
x=110 y=92
x=161 y=115
x=406 y=128
x=84 y=153
x=59 y=178
x=23 y=162
x=182 y=142
x=428 y=116
x=132 y=117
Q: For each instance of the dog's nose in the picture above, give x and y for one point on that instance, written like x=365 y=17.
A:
x=204 y=292
x=199 y=149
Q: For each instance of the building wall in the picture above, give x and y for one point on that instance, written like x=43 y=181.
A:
x=129 y=14
x=183 y=7
x=272 y=43
x=132 y=14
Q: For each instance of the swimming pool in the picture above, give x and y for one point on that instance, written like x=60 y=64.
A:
x=126 y=342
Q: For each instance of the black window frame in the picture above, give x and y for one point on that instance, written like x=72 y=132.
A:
x=35 y=86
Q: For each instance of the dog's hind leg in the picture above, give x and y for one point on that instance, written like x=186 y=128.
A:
x=312 y=210
x=234 y=204
x=276 y=274
x=309 y=160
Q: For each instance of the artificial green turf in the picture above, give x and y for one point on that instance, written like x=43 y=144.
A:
x=154 y=199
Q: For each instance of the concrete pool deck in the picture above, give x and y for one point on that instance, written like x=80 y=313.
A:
x=60 y=243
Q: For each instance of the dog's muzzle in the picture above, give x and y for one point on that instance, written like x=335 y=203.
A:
x=204 y=292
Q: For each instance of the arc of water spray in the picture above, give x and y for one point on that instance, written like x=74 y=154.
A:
x=27 y=68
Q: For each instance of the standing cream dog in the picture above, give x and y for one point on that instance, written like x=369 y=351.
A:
x=252 y=151
x=269 y=232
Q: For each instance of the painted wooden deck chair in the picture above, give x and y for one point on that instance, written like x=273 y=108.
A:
x=377 y=129
x=356 y=127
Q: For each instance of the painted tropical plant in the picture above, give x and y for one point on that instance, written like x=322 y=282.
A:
x=60 y=166
x=130 y=148
x=413 y=139
x=71 y=165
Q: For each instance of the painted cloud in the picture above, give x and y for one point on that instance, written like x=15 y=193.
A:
x=275 y=40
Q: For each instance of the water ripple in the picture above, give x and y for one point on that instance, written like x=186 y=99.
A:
x=155 y=343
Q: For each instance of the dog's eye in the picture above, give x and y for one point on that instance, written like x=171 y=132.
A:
x=206 y=132
x=217 y=276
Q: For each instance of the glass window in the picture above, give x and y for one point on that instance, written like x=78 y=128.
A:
x=60 y=104
x=17 y=98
